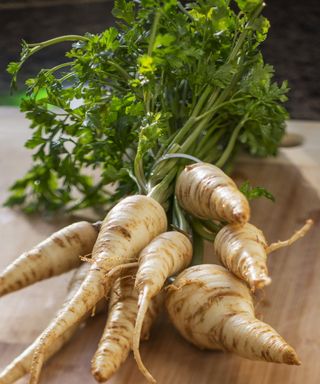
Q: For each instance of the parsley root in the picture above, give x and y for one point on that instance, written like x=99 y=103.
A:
x=166 y=255
x=206 y=192
x=55 y=255
x=116 y=341
x=213 y=309
x=243 y=250
x=20 y=366
x=125 y=231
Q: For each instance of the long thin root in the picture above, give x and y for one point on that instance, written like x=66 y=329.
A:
x=296 y=236
x=143 y=307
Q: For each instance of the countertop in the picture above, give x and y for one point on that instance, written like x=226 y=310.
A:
x=290 y=304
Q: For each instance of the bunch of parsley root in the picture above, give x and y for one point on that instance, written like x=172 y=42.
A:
x=141 y=125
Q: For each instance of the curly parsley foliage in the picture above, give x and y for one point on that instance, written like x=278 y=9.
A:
x=252 y=193
x=167 y=79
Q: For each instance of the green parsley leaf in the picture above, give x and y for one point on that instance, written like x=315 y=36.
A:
x=252 y=193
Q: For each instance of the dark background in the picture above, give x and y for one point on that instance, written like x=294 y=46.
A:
x=293 y=44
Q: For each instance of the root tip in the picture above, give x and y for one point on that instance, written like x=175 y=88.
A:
x=290 y=357
x=98 y=376
x=261 y=283
x=241 y=217
x=258 y=282
x=141 y=366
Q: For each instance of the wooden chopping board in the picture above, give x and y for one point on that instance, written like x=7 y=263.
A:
x=290 y=304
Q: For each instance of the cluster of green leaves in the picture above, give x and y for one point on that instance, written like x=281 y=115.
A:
x=252 y=193
x=167 y=79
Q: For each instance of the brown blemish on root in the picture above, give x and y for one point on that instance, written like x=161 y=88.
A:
x=50 y=272
x=190 y=167
x=98 y=376
x=213 y=299
x=35 y=255
x=59 y=242
x=124 y=232
x=73 y=238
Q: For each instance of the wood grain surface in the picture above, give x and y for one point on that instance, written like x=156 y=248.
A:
x=290 y=304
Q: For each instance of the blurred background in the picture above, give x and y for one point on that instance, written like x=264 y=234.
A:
x=293 y=45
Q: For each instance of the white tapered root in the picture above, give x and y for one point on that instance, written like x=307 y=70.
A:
x=116 y=341
x=58 y=254
x=213 y=309
x=144 y=300
x=243 y=250
x=205 y=191
x=20 y=366
x=166 y=255
x=125 y=231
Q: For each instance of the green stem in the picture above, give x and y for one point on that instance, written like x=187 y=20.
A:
x=162 y=191
x=183 y=10
x=207 y=144
x=194 y=135
x=160 y=168
x=139 y=174
x=36 y=47
x=57 y=67
x=147 y=94
x=192 y=119
x=216 y=107
x=202 y=231
x=212 y=226
x=201 y=126
x=120 y=69
x=59 y=39
x=202 y=100
x=229 y=148
x=66 y=77
x=138 y=162
x=244 y=33
x=181 y=133
x=179 y=219
x=153 y=32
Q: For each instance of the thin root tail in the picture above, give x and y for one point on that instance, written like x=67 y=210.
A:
x=143 y=307
x=37 y=363
x=296 y=236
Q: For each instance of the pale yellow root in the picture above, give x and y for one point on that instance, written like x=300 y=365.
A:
x=166 y=255
x=243 y=251
x=116 y=341
x=20 y=366
x=296 y=236
x=127 y=229
x=55 y=255
x=144 y=300
x=213 y=309
x=205 y=191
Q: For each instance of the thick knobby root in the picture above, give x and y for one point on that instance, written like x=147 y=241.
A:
x=208 y=193
x=55 y=255
x=166 y=255
x=126 y=230
x=244 y=249
x=116 y=341
x=213 y=309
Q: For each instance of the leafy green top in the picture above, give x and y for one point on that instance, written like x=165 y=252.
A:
x=167 y=79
